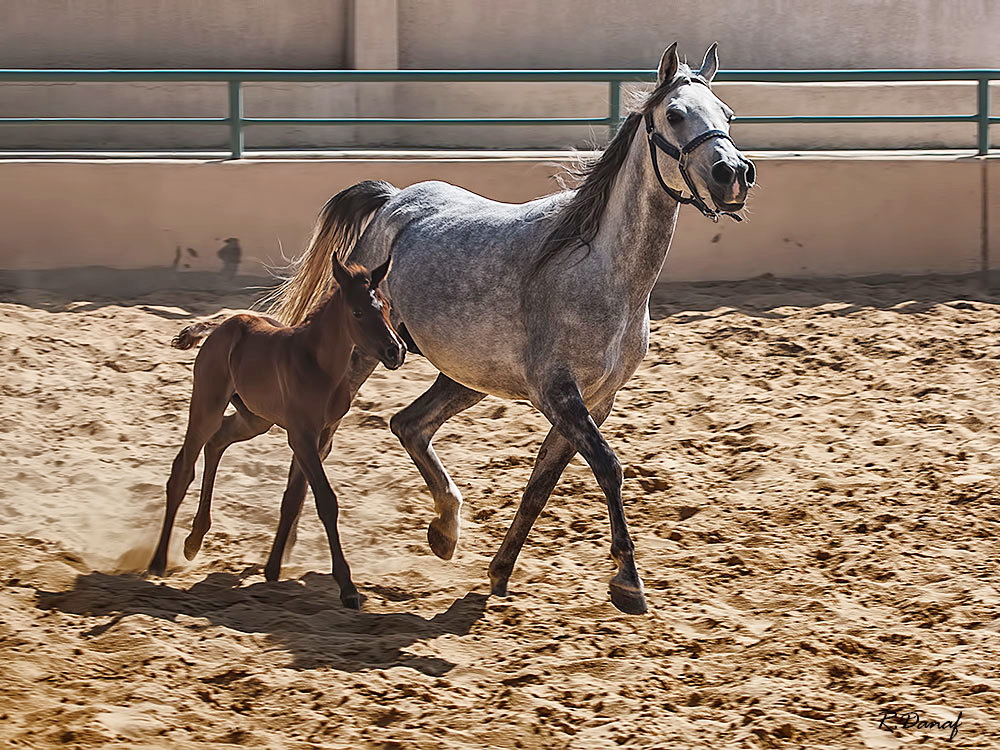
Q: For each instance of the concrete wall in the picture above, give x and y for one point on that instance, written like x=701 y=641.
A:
x=173 y=34
x=811 y=216
x=472 y=34
x=751 y=33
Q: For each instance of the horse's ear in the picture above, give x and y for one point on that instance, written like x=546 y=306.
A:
x=340 y=274
x=379 y=273
x=710 y=66
x=668 y=65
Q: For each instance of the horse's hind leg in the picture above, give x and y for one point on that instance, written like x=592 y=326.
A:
x=415 y=426
x=562 y=404
x=235 y=428
x=209 y=396
x=291 y=507
x=553 y=457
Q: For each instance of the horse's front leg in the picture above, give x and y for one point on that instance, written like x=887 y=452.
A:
x=415 y=426
x=553 y=457
x=560 y=401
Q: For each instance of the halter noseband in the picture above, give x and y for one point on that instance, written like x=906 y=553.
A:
x=657 y=141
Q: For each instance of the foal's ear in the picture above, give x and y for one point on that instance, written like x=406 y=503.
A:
x=668 y=65
x=340 y=274
x=379 y=273
x=710 y=66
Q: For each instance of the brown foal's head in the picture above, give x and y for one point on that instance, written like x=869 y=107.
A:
x=368 y=312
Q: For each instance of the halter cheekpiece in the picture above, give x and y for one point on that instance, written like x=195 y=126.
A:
x=657 y=141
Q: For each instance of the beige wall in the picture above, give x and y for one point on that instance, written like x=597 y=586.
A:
x=508 y=34
x=751 y=33
x=172 y=34
x=812 y=215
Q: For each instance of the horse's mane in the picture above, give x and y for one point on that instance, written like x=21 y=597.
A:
x=579 y=218
x=354 y=269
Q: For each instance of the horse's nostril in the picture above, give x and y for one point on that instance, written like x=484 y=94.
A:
x=751 y=173
x=723 y=174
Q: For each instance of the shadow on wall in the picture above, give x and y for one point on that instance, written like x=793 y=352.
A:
x=122 y=286
x=766 y=296
x=204 y=292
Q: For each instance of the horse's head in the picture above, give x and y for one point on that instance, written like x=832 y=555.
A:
x=688 y=129
x=368 y=312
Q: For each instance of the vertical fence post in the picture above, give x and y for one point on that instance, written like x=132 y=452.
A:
x=235 y=120
x=614 y=107
x=983 y=113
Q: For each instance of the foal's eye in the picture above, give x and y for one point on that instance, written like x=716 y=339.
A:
x=674 y=117
x=357 y=314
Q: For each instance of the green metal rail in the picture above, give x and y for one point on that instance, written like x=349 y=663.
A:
x=237 y=121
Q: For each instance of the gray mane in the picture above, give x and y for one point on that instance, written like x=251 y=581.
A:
x=579 y=218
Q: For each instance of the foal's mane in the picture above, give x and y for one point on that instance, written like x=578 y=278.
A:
x=578 y=220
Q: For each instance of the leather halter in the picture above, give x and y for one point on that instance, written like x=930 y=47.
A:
x=657 y=141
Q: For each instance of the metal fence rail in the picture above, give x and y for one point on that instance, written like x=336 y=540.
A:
x=236 y=121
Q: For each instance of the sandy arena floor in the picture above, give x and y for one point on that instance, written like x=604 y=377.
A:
x=812 y=487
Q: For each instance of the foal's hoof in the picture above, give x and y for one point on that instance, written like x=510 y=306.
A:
x=627 y=598
x=191 y=547
x=272 y=573
x=441 y=544
x=352 y=601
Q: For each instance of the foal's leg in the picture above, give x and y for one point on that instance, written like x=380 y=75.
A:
x=306 y=448
x=291 y=507
x=235 y=428
x=553 y=457
x=295 y=492
x=209 y=397
x=415 y=426
x=562 y=404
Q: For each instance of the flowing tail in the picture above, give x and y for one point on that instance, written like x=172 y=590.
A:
x=337 y=230
x=189 y=337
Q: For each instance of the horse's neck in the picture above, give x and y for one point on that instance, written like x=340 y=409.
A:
x=638 y=222
x=326 y=336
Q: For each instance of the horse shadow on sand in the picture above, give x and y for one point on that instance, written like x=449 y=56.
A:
x=304 y=617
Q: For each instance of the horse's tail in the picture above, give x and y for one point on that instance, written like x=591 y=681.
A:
x=189 y=337
x=338 y=228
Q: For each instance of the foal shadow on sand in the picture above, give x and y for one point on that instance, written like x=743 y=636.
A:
x=304 y=617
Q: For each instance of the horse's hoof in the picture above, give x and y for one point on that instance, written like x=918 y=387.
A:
x=440 y=543
x=271 y=573
x=498 y=584
x=628 y=599
x=157 y=569
x=191 y=547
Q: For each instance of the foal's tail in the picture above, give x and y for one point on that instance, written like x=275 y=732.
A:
x=337 y=230
x=189 y=337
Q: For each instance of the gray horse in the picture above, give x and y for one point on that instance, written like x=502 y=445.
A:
x=546 y=301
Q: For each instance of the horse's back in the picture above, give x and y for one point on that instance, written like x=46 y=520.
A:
x=458 y=272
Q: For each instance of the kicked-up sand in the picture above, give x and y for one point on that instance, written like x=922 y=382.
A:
x=811 y=485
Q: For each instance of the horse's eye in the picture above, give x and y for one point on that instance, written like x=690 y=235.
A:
x=358 y=314
x=674 y=117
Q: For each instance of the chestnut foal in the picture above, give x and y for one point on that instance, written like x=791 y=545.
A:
x=294 y=377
